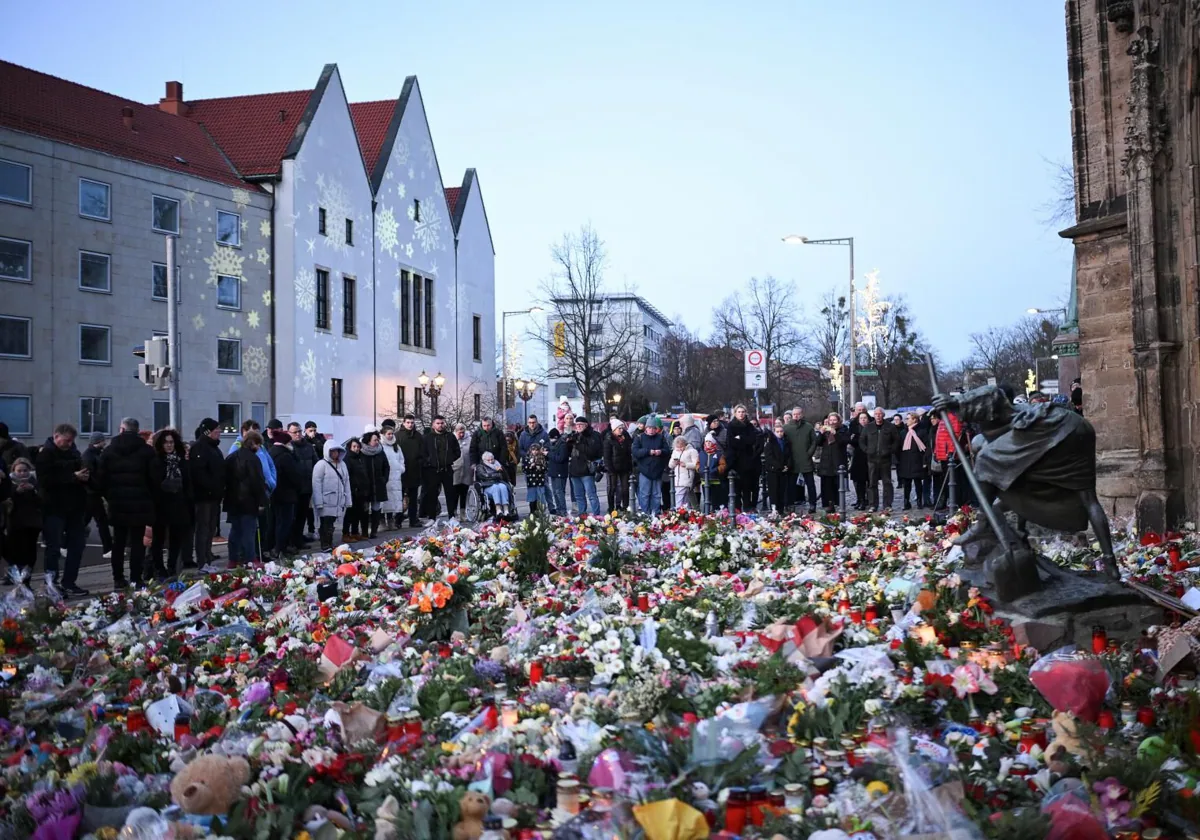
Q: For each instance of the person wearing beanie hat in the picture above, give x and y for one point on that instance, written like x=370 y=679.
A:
x=389 y=423
x=309 y=425
x=618 y=463
x=275 y=423
x=207 y=467
x=289 y=487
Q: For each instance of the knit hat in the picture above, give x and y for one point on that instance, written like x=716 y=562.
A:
x=275 y=423
x=310 y=425
x=388 y=424
x=553 y=434
x=97 y=437
x=615 y=423
x=370 y=429
x=654 y=423
x=280 y=436
x=207 y=425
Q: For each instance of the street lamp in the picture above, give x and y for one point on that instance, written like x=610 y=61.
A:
x=795 y=239
x=616 y=401
x=432 y=389
x=525 y=390
x=1033 y=310
x=533 y=310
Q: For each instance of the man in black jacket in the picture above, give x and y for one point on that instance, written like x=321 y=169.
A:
x=95 y=501
x=880 y=441
x=245 y=498
x=440 y=452
x=62 y=483
x=488 y=439
x=317 y=441
x=306 y=459
x=288 y=486
x=412 y=446
x=126 y=479
x=207 y=467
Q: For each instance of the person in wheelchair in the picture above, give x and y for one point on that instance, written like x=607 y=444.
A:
x=491 y=478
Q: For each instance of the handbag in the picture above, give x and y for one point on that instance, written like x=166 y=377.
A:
x=172 y=484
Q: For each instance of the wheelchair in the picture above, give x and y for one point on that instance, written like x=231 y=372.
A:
x=481 y=509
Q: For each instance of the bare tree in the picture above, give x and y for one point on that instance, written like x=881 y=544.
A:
x=699 y=375
x=764 y=316
x=897 y=349
x=591 y=339
x=1008 y=353
x=456 y=407
x=1060 y=209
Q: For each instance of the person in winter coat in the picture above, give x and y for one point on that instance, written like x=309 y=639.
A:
x=714 y=484
x=95 y=501
x=292 y=478
x=306 y=459
x=585 y=449
x=246 y=498
x=880 y=440
x=912 y=463
x=925 y=485
x=650 y=456
x=462 y=473
x=556 y=470
x=394 y=503
x=803 y=439
x=127 y=482
x=331 y=492
x=743 y=452
x=441 y=451
x=531 y=434
x=379 y=468
x=412 y=447
x=618 y=464
x=317 y=441
x=354 y=524
x=489 y=474
x=206 y=466
x=684 y=465
x=943 y=449
x=488 y=439
x=534 y=466
x=24 y=520
x=778 y=460
x=172 y=502
x=62 y=483
x=832 y=441
x=860 y=464
x=514 y=457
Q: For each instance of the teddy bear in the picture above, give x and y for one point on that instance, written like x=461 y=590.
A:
x=210 y=784
x=473 y=807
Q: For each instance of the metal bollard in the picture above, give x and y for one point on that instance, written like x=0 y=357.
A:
x=953 y=483
x=843 y=487
x=633 y=492
x=732 y=493
x=671 y=481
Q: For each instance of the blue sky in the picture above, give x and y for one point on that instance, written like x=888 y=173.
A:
x=691 y=135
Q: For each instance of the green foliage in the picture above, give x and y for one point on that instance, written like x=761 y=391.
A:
x=695 y=652
x=534 y=538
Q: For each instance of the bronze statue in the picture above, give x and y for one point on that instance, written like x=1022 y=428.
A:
x=1039 y=461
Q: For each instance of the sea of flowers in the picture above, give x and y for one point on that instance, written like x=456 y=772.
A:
x=677 y=677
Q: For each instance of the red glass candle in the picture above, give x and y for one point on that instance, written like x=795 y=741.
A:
x=536 y=672
x=136 y=721
x=871 y=614
x=643 y=603
x=844 y=606
x=281 y=685
x=1106 y=719
x=183 y=726
x=413 y=727
x=395 y=728
x=736 y=807
x=491 y=715
x=1099 y=640
x=1146 y=716
x=856 y=616
x=1173 y=554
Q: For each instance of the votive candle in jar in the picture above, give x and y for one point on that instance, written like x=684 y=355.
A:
x=793 y=797
x=509 y=716
x=536 y=671
x=568 y=795
x=736 y=808
x=1099 y=639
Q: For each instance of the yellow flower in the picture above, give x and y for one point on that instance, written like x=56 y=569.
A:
x=82 y=773
x=877 y=788
x=303 y=835
x=450 y=747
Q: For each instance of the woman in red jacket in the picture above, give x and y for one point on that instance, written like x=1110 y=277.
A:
x=943 y=448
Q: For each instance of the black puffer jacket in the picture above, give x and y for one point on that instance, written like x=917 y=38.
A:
x=360 y=477
x=777 y=454
x=245 y=484
x=306 y=457
x=62 y=493
x=489 y=440
x=127 y=481
x=206 y=465
x=831 y=451
x=585 y=449
x=743 y=448
x=378 y=470
x=91 y=462
x=289 y=475
x=412 y=445
x=442 y=450
x=618 y=454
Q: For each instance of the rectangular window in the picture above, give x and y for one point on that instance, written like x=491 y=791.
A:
x=428 y=313
x=16 y=182
x=95 y=200
x=418 y=403
x=401 y=401
x=94 y=272
x=158 y=283
x=416 y=209
x=321 y=220
x=418 y=311
x=478 y=406
x=349 y=231
x=229 y=418
x=164 y=215
x=15 y=337
x=477 y=338
x=94 y=415
x=229 y=355
x=229 y=292
x=229 y=229
x=16 y=260
x=162 y=414
x=404 y=312
x=335 y=397
x=95 y=344
x=16 y=411
x=348 y=321
x=322 y=307
x=258 y=413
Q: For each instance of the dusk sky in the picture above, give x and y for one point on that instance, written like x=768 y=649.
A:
x=692 y=136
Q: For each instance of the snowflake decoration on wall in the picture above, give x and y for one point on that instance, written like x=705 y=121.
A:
x=401 y=190
x=241 y=198
x=408 y=250
x=396 y=299
x=255 y=365
x=401 y=150
x=385 y=230
x=428 y=230
x=267 y=298
x=427 y=150
x=384 y=331
x=252 y=319
x=263 y=256
x=336 y=201
x=189 y=198
x=306 y=289
x=225 y=261
x=264 y=228
x=308 y=374
x=198 y=322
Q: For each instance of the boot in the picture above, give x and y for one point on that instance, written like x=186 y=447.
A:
x=375 y=517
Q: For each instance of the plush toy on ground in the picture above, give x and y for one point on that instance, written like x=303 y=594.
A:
x=210 y=784
x=473 y=807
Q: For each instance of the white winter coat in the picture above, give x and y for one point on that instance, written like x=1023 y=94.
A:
x=684 y=463
x=395 y=489
x=331 y=487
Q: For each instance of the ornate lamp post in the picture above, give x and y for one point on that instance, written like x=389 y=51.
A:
x=524 y=390
x=616 y=401
x=431 y=388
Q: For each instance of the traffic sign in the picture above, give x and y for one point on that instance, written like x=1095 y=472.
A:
x=756 y=361
x=755 y=380
x=867 y=372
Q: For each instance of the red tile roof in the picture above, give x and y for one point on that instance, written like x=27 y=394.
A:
x=371 y=121
x=254 y=131
x=54 y=108
x=452 y=198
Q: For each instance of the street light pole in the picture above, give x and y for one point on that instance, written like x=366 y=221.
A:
x=173 y=419
x=793 y=239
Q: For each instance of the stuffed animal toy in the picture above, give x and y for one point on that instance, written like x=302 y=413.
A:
x=210 y=784
x=473 y=807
